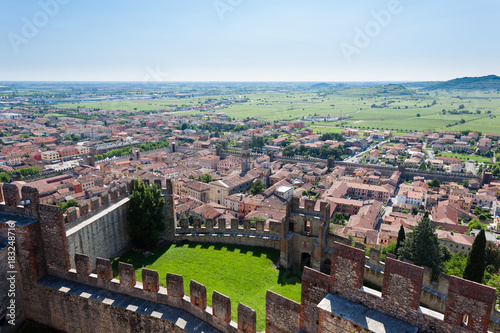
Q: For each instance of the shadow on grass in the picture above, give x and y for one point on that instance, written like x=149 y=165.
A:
x=287 y=276
x=137 y=258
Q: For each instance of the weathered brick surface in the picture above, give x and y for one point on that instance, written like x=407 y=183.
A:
x=196 y=223
x=122 y=190
x=67 y=312
x=84 y=208
x=103 y=269
x=82 y=263
x=472 y=299
x=198 y=294
x=150 y=280
x=348 y=267
x=315 y=287
x=402 y=283
x=247 y=319
x=94 y=203
x=31 y=199
x=234 y=224
x=221 y=307
x=184 y=223
x=127 y=274
x=374 y=255
x=175 y=285
x=282 y=314
x=71 y=214
x=11 y=195
x=54 y=237
x=329 y=323
x=114 y=194
x=105 y=198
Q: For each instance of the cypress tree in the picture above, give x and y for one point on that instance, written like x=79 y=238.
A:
x=145 y=215
x=474 y=268
x=401 y=239
x=422 y=247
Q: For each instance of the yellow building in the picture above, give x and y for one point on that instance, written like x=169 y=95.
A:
x=49 y=156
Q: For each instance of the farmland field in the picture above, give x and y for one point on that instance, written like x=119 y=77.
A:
x=367 y=108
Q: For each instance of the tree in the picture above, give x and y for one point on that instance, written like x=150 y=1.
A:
x=418 y=115
x=414 y=210
x=401 y=239
x=145 y=214
x=4 y=177
x=492 y=255
x=476 y=260
x=434 y=183
x=206 y=178
x=422 y=247
x=475 y=224
x=338 y=218
x=257 y=187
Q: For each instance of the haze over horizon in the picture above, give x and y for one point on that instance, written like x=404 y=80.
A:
x=244 y=41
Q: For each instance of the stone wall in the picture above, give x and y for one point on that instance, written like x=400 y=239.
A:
x=86 y=294
x=102 y=235
x=282 y=314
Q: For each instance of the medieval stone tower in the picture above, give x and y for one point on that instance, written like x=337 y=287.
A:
x=245 y=158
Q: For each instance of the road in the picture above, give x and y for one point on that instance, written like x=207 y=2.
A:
x=357 y=157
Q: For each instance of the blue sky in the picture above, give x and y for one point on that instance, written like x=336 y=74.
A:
x=248 y=40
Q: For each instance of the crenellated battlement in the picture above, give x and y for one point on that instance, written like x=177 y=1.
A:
x=218 y=315
x=219 y=226
x=88 y=290
x=95 y=205
x=25 y=203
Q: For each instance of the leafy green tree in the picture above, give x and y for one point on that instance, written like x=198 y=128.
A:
x=70 y=203
x=257 y=187
x=145 y=215
x=401 y=239
x=434 y=183
x=422 y=247
x=414 y=210
x=492 y=255
x=475 y=224
x=476 y=260
x=206 y=178
x=338 y=218
x=4 y=177
x=456 y=265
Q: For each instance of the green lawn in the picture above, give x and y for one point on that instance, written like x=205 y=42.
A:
x=464 y=157
x=241 y=273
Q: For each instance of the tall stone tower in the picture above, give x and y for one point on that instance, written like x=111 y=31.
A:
x=245 y=158
x=169 y=211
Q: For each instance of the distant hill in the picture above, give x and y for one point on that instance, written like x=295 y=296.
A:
x=490 y=82
x=385 y=90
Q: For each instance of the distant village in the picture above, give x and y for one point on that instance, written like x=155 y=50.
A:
x=249 y=168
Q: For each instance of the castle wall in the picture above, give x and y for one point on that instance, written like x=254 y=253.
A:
x=102 y=235
x=72 y=313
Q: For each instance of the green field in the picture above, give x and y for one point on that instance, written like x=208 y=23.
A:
x=242 y=273
x=397 y=110
x=463 y=157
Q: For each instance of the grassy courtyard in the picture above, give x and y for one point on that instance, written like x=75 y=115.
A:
x=242 y=273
